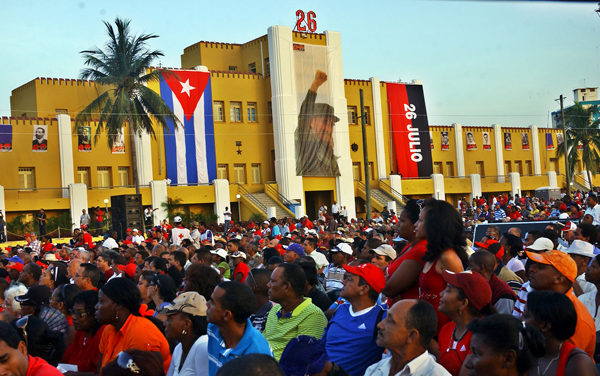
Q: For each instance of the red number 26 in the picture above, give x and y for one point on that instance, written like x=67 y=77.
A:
x=311 y=21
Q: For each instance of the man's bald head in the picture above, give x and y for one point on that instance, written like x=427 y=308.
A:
x=515 y=231
x=485 y=260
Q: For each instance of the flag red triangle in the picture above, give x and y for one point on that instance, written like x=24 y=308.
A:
x=188 y=88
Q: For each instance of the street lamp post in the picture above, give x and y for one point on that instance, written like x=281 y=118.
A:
x=106 y=206
x=239 y=208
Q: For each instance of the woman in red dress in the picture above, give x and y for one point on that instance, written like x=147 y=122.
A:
x=403 y=273
x=440 y=223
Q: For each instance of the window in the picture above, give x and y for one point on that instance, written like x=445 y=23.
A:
x=235 y=109
x=479 y=168
x=252 y=67
x=437 y=167
x=507 y=167
x=223 y=171
x=270 y=112
x=123 y=176
x=368 y=113
x=255 y=173
x=239 y=173
x=61 y=111
x=554 y=165
x=267 y=68
x=218 y=111
x=519 y=167
x=356 y=172
x=528 y=169
x=83 y=176
x=351 y=114
x=449 y=169
x=104 y=177
x=26 y=178
x=233 y=68
x=371 y=171
x=251 y=112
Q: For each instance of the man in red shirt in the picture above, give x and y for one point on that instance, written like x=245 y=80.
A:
x=16 y=361
x=98 y=219
x=87 y=237
x=514 y=214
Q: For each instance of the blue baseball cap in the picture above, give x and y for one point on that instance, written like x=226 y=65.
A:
x=16 y=259
x=295 y=247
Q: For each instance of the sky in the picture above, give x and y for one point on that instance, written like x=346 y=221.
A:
x=481 y=62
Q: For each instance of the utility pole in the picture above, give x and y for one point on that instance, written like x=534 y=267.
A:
x=564 y=126
x=363 y=118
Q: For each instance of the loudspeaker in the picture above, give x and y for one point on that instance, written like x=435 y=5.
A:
x=127 y=213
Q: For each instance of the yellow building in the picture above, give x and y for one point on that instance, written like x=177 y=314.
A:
x=254 y=92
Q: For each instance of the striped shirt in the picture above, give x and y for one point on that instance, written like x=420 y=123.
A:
x=522 y=300
x=306 y=319
x=499 y=214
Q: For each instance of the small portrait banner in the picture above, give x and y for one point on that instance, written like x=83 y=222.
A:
x=5 y=137
x=445 y=140
x=84 y=139
x=471 y=145
x=40 y=138
x=486 y=141
x=118 y=146
x=525 y=140
x=549 y=142
x=507 y=141
x=431 y=139
x=559 y=139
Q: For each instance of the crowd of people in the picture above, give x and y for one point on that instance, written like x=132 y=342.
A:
x=401 y=294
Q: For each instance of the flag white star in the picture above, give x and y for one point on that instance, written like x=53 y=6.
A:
x=186 y=87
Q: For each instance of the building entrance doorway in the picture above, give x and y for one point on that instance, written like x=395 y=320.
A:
x=314 y=200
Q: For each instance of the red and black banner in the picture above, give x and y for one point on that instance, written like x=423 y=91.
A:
x=410 y=130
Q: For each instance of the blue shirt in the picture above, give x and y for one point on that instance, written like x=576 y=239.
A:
x=275 y=230
x=351 y=333
x=499 y=214
x=252 y=342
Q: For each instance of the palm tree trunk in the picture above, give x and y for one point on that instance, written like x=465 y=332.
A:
x=134 y=167
x=587 y=169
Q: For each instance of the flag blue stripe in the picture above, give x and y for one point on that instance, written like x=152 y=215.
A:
x=190 y=151
x=170 y=144
x=209 y=132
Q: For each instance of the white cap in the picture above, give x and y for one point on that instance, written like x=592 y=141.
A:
x=177 y=219
x=579 y=247
x=238 y=254
x=135 y=230
x=542 y=244
x=220 y=252
x=342 y=247
x=386 y=250
x=266 y=222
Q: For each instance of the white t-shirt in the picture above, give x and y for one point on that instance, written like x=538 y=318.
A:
x=515 y=265
x=110 y=243
x=335 y=208
x=196 y=362
x=227 y=215
x=178 y=234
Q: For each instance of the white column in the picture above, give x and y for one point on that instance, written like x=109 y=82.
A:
x=475 y=186
x=552 y=180
x=584 y=175
x=341 y=139
x=78 y=202
x=499 y=148
x=65 y=152
x=144 y=158
x=285 y=111
x=460 y=152
x=158 y=191
x=392 y=206
x=3 y=207
x=396 y=183
x=299 y=211
x=515 y=182
x=378 y=124
x=438 y=186
x=271 y=212
x=535 y=148
x=221 y=198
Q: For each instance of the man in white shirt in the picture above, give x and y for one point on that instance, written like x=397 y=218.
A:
x=111 y=241
x=310 y=249
x=84 y=219
x=227 y=218
x=582 y=253
x=593 y=208
x=335 y=210
x=136 y=238
x=178 y=233
x=406 y=332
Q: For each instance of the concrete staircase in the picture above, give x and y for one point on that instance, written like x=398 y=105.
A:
x=383 y=197
x=267 y=201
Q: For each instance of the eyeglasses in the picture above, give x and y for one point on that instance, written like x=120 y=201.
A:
x=22 y=324
x=125 y=361
x=78 y=314
x=253 y=280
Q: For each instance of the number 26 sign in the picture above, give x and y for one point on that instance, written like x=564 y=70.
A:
x=304 y=21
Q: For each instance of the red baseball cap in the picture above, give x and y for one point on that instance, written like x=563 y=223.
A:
x=17 y=266
x=476 y=288
x=496 y=249
x=485 y=244
x=127 y=242
x=129 y=269
x=370 y=273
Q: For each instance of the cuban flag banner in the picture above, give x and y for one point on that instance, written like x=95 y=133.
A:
x=189 y=150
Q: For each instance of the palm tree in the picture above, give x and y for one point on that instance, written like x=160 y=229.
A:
x=123 y=65
x=171 y=205
x=583 y=137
